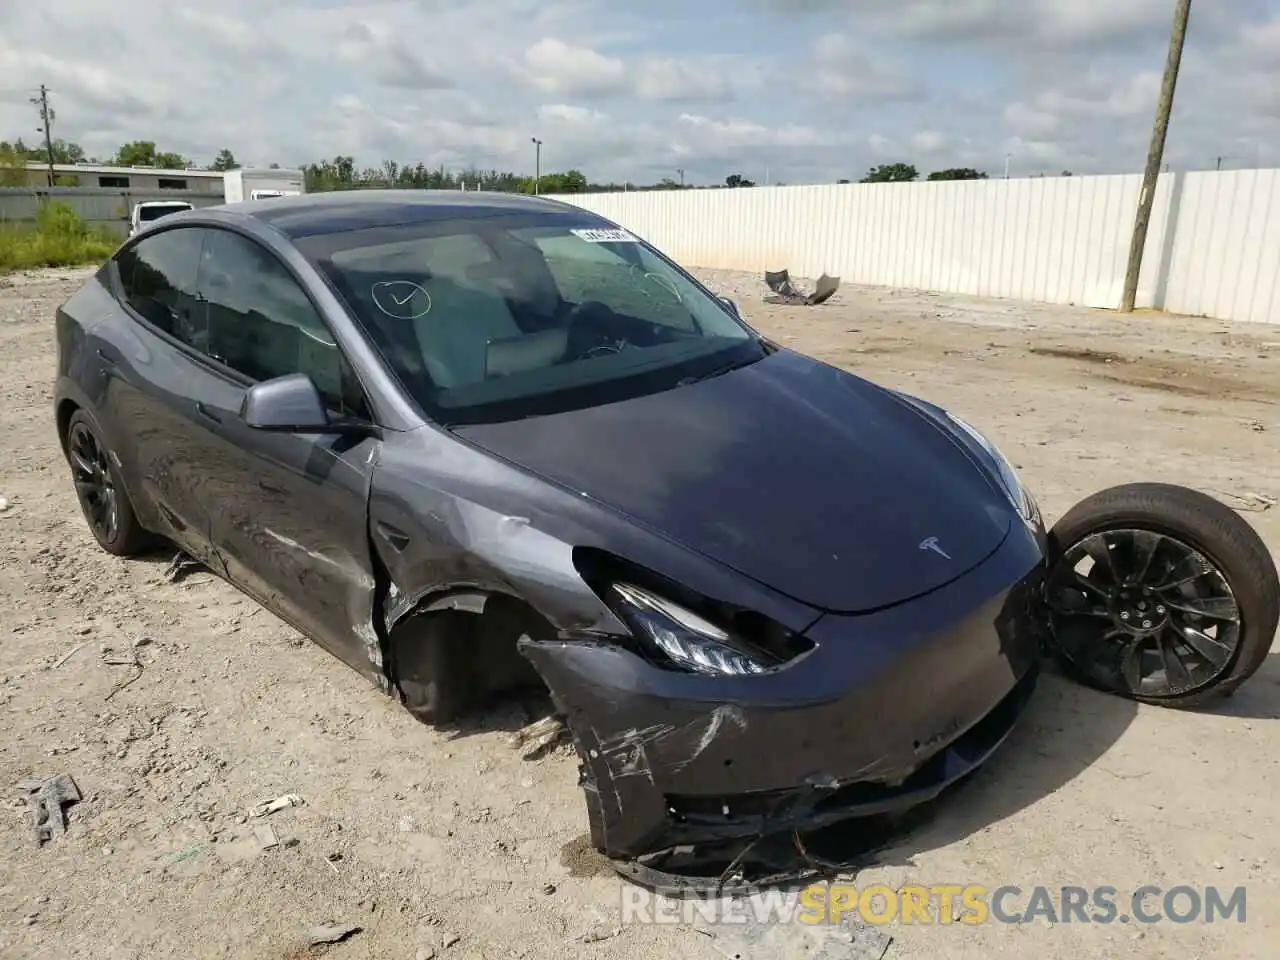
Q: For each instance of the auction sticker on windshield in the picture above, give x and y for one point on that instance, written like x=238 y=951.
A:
x=605 y=236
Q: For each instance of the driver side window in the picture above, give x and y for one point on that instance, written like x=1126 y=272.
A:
x=262 y=324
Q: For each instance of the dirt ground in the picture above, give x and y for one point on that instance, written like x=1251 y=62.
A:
x=448 y=844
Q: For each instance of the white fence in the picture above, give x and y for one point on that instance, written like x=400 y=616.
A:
x=1213 y=247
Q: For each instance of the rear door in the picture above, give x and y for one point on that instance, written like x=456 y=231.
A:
x=292 y=519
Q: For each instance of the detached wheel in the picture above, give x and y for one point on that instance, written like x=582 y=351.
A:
x=1161 y=594
x=102 y=496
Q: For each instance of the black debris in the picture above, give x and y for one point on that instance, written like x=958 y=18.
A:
x=788 y=294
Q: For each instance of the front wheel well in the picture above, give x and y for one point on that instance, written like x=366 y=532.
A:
x=447 y=660
x=66 y=410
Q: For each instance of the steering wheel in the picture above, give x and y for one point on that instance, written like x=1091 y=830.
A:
x=593 y=331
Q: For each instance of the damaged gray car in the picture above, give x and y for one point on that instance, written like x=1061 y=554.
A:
x=473 y=444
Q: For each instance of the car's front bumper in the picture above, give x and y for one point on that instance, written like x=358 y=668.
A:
x=888 y=710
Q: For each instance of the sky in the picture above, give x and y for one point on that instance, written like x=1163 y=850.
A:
x=791 y=91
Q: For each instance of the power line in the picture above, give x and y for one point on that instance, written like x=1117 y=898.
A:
x=1155 y=154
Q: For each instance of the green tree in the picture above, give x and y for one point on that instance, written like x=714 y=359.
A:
x=143 y=153
x=738 y=180
x=891 y=173
x=958 y=173
x=225 y=160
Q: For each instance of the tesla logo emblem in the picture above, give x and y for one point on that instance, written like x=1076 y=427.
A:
x=931 y=543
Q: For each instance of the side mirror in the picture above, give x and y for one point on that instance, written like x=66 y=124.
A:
x=733 y=307
x=290 y=403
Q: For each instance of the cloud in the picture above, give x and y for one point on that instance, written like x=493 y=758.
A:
x=792 y=90
x=578 y=71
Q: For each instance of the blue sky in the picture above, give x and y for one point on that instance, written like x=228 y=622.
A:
x=795 y=90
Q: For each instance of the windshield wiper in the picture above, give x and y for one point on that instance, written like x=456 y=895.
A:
x=717 y=371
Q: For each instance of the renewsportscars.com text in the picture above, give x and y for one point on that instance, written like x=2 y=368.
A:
x=970 y=904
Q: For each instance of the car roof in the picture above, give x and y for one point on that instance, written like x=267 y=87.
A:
x=314 y=214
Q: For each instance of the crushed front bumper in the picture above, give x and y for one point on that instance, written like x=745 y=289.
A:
x=885 y=713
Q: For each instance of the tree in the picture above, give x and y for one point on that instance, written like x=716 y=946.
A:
x=891 y=173
x=225 y=160
x=143 y=153
x=738 y=180
x=958 y=173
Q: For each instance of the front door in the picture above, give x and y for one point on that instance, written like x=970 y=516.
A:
x=293 y=527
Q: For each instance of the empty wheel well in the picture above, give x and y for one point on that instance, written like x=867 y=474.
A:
x=448 y=660
x=66 y=409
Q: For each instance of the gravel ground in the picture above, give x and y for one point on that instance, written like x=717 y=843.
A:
x=447 y=843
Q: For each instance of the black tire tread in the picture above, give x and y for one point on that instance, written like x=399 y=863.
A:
x=1211 y=527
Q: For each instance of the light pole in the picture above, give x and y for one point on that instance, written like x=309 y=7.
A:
x=537 y=163
x=681 y=172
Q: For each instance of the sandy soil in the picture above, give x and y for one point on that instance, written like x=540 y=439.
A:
x=446 y=843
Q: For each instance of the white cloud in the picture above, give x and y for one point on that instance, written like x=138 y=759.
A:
x=637 y=93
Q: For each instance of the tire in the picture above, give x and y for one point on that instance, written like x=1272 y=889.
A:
x=432 y=658
x=93 y=471
x=1159 y=520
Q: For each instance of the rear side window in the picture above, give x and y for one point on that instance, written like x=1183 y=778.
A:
x=263 y=325
x=159 y=280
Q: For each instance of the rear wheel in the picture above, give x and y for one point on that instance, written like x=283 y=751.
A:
x=1161 y=594
x=102 y=496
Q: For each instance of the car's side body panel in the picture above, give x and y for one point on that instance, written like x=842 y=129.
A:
x=449 y=518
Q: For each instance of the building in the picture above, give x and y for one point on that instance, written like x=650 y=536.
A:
x=143 y=179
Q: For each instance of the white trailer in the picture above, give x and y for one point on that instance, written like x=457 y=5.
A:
x=262 y=183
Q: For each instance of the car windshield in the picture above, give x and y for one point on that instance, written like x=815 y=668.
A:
x=501 y=317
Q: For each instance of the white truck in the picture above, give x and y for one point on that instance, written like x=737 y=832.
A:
x=149 y=210
x=261 y=183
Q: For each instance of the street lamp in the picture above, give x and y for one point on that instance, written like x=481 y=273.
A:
x=537 y=163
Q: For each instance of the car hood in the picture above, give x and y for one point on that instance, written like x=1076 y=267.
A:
x=803 y=477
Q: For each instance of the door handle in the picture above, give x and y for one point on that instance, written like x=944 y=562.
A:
x=208 y=414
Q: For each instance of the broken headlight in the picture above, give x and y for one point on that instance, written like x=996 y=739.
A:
x=1022 y=500
x=682 y=636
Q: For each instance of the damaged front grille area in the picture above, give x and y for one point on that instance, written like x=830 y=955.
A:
x=723 y=843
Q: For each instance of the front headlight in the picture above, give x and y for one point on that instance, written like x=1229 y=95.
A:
x=684 y=637
x=1022 y=500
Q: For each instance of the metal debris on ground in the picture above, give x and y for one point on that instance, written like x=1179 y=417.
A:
x=597 y=935
x=539 y=736
x=279 y=803
x=787 y=294
x=181 y=566
x=332 y=933
x=133 y=661
x=266 y=837
x=70 y=653
x=45 y=800
x=1248 y=501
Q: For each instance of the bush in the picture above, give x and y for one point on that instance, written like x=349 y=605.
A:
x=57 y=238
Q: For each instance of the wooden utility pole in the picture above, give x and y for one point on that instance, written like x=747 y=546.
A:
x=1155 y=154
x=46 y=126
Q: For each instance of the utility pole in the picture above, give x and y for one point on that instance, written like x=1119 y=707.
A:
x=681 y=172
x=46 y=126
x=1155 y=154
x=537 y=163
